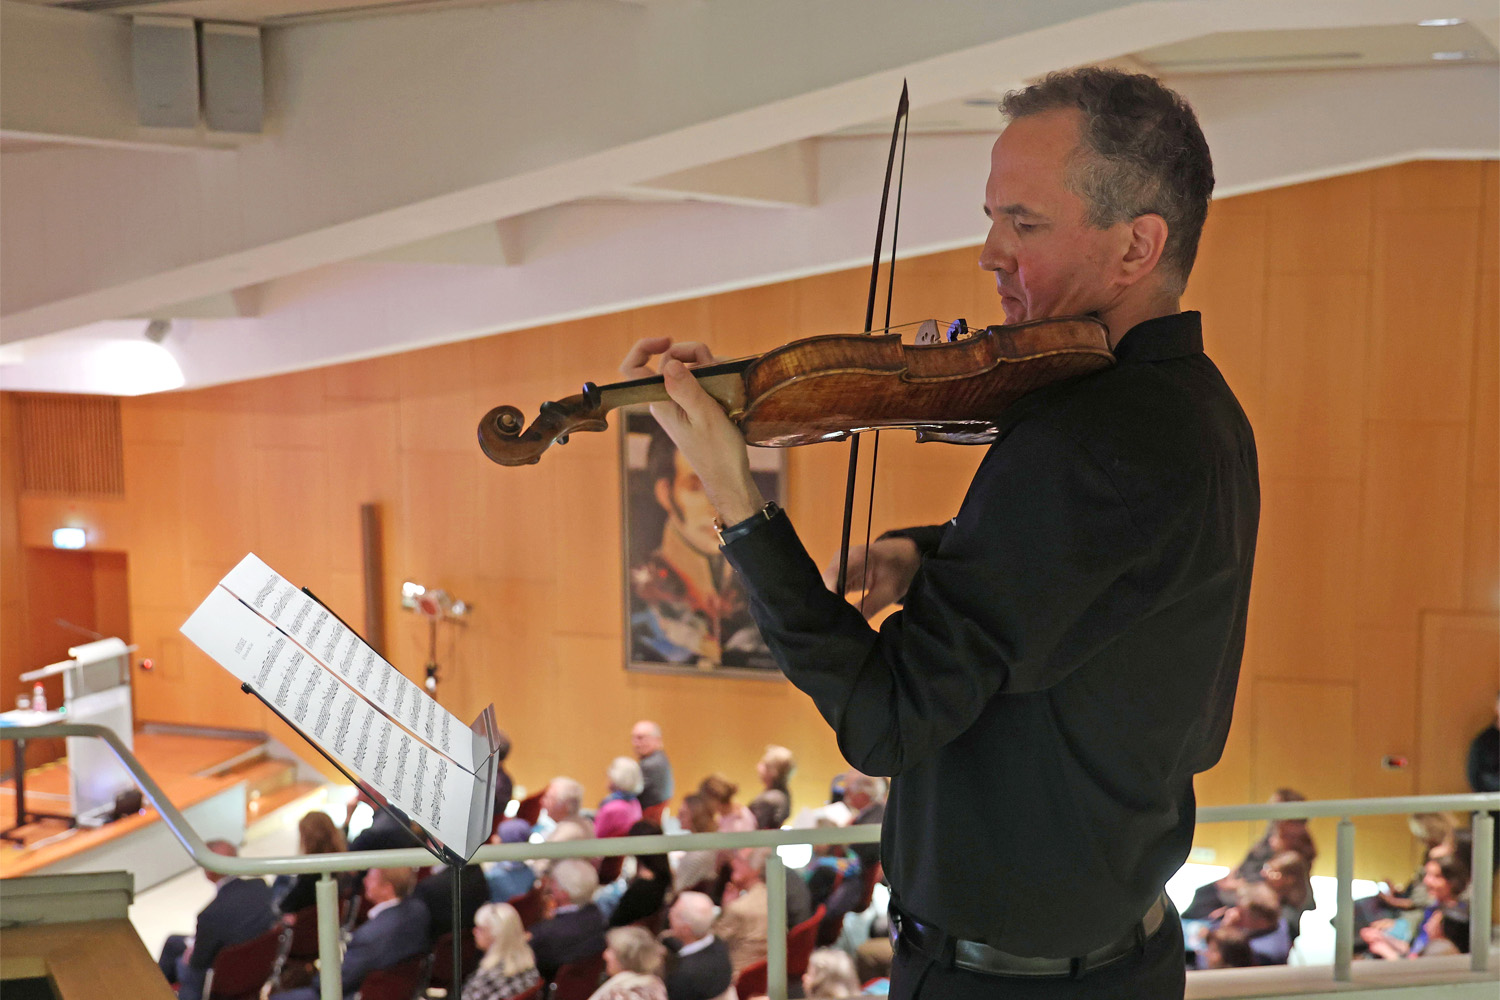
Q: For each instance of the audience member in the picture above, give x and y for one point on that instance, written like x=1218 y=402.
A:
x=830 y=976
x=575 y=931
x=1288 y=876
x=656 y=770
x=385 y=831
x=436 y=893
x=865 y=797
x=317 y=834
x=621 y=807
x=1226 y=948
x=696 y=869
x=394 y=930
x=799 y=904
x=1445 y=879
x=562 y=802
x=720 y=793
x=504 y=787
x=509 y=879
x=773 y=806
x=508 y=967
x=742 y=925
x=1483 y=767
x=698 y=966
x=633 y=961
x=646 y=895
x=1257 y=912
x=1436 y=832
x=240 y=910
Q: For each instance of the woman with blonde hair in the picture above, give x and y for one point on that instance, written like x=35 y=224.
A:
x=773 y=807
x=830 y=976
x=633 y=960
x=508 y=967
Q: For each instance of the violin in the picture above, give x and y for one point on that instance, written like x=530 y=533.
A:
x=952 y=388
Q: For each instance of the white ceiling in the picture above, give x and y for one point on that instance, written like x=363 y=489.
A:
x=435 y=171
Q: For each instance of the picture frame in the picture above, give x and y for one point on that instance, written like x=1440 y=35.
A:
x=685 y=610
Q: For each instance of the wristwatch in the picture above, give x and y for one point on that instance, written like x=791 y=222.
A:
x=742 y=528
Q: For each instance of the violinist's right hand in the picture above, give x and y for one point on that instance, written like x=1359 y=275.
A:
x=884 y=572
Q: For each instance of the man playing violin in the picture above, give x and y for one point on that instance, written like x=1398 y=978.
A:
x=1068 y=646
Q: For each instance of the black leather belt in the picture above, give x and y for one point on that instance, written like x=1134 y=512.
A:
x=976 y=956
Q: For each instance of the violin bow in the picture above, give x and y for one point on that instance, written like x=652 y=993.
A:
x=898 y=132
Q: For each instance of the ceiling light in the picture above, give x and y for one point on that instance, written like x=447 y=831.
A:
x=1452 y=56
x=1440 y=22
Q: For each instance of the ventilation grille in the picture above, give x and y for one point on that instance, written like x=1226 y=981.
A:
x=70 y=444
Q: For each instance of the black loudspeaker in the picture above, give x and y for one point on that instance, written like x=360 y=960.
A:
x=164 y=58
x=233 y=79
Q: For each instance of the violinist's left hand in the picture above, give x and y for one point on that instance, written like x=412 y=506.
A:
x=707 y=438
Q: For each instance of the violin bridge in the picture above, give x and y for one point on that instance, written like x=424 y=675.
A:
x=927 y=332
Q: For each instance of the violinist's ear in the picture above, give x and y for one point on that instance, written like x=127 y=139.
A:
x=1147 y=238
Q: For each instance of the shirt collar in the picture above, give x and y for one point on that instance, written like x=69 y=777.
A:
x=696 y=946
x=380 y=908
x=1162 y=338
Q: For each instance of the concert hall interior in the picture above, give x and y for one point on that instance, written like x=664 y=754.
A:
x=273 y=327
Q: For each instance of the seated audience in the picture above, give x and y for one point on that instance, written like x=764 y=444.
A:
x=561 y=802
x=1257 y=913
x=646 y=895
x=436 y=893
x=621 y=807
x=865 y=797
x=575 y=931
x=394 y=930
x=1228 y=948
x=656 y=770
x=742 y=925
x=508 y=967
x=1444 y=879
x=698 y=966
x=1281 y=835
x=318 y=835
x=830 y=976
x=773 y=806
x=240 y=910
x=720 y=793
x=696 y=869
x=509 y=879
x=633 y=962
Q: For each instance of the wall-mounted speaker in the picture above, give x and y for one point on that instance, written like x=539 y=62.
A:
x=165 y=64
x=233 y=81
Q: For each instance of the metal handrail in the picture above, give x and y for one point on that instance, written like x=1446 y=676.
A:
x=326 y=864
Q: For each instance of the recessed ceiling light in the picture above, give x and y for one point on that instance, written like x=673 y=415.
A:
x=1452 y=56
x=1440 y=22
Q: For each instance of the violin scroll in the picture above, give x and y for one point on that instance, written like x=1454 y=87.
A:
x=505 y=439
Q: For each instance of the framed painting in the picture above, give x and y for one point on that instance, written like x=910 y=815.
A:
x=686 y=610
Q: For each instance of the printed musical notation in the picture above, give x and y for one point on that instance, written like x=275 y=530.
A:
x=342 y=696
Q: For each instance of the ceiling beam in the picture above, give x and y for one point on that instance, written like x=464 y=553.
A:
x=779 y=177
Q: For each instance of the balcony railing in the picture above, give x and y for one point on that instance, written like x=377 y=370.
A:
x=1480 y=905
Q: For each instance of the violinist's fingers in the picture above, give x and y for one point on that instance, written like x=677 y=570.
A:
x=710 y=442
x=636 y=361
x=854 y=574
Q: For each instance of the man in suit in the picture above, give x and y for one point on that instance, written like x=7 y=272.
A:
x=645 y=740
x=240 y=910
x=575 y=931
x=698 y=962
x=394 y=930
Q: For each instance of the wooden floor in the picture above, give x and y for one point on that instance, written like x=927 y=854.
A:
x=181 y=764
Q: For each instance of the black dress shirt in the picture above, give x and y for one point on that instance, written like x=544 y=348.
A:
x=1065 y=660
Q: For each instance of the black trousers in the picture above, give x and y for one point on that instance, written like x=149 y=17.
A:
x=171 y=953
x=1157 y=972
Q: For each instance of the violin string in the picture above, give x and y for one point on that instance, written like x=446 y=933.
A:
x=890 y=294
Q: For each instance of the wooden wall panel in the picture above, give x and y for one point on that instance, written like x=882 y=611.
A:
x=1460 y=674
x=1372 y=385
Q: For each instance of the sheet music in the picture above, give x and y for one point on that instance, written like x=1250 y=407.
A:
x=320 y=632
x=322 y=678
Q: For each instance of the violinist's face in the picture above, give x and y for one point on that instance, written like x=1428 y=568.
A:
x=688 y=511
x=1048 y=261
